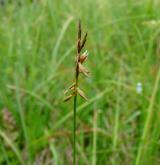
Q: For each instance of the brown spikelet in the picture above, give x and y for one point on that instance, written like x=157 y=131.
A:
x=83 y=57
x=83 y=70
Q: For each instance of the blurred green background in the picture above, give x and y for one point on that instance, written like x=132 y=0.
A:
x=119 y=125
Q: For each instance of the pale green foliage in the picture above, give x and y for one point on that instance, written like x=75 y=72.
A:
x=37 y=55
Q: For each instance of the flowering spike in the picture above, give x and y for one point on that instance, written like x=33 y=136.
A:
x=73 y=90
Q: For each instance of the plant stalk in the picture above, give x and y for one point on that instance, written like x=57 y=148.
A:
x=74 y=130
x=144 y=138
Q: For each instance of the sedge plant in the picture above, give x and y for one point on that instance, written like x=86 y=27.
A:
x=74 y=90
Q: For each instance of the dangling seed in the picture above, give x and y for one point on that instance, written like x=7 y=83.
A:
x=72 y=87
x=81 y=93
x=82 y=69
x=68 y=98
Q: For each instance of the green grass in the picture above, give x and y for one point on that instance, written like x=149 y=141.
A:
x=116 y=126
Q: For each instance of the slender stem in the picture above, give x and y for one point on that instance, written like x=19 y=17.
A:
x=95 y=116
x=74 y=130
x=79 y=48
x=146 y=129
x=75 y=111
x=117 y=119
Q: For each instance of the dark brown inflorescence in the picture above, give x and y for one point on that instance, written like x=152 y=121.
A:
x=80 y=58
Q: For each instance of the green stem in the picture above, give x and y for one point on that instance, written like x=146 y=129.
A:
x=74 y=130
x=144 y=137
x=95 y=116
